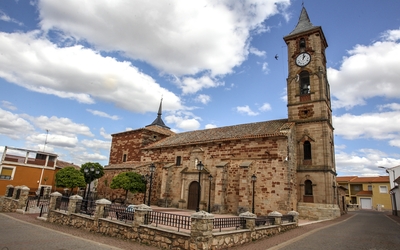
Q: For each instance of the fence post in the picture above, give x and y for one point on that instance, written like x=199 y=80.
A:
x=23 y=197
x=8 y=190
x=53 y=200
x=72 y=203
x=277 y=216
x=141 y=212
x=295 y=216
x=201 y=230
x=100 y=204
x=250 y=220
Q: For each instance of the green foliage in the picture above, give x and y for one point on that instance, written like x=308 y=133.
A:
x=91 y=175
x=69 y=177
x=128 y=181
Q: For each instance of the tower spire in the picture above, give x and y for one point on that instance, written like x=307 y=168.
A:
x=158 y=121
x=303 y=24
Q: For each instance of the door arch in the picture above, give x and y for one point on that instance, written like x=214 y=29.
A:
x=193 y=195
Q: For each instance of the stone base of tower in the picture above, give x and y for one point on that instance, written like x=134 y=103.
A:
x=318 y=211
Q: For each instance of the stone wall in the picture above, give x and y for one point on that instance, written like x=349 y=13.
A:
x=201 y=235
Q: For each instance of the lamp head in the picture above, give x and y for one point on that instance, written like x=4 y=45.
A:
x=200 y=166
x=152 y=168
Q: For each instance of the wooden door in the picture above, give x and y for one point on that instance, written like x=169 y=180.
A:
x=193 y=195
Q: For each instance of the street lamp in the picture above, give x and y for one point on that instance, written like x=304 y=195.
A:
x=209 y=193
x=253 y=179
x=152 y=168
x=145 y=178
x=91 y=173
x=200 y=167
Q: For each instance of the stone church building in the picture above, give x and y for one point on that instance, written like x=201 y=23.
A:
x=292 y=159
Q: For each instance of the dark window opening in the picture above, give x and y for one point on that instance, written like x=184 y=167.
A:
x=124 y=158
x=302 y=44
x=307 y=150
x=178 y=160
x=308 y=187
x=304 y=83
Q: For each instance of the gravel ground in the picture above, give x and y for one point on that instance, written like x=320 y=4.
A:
x=267 y=243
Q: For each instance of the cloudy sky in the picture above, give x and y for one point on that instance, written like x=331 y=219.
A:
x=77 y=71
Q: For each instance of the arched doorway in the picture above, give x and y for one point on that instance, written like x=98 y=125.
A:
x=193 y=195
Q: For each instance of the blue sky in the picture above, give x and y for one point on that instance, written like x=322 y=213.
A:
x=83 y=70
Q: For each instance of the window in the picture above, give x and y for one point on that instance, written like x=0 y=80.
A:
x=6 y=173
x=307 y=150
x=308 y=187
x=124 y=158
x=178 y=160
x=369 y=187
x=302 y=44
x=383 y=189
x=304 y=83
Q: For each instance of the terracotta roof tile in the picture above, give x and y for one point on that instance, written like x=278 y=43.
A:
x=249 y=130
x=364 y=192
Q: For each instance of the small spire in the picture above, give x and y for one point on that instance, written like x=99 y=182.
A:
x=304 y=23
x=158 y=121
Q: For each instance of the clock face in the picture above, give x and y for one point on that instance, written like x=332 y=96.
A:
x=303 y=59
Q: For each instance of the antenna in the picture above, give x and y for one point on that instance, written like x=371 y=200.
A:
x=45 y=142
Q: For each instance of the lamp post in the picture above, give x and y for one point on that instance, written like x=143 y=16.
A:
x=209 y=193
x=145 y=178
x=253 y=179
x=152 y=168
x=200 y=167
x=91 y=173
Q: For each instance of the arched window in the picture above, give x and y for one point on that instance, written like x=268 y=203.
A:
x=308 y=187
x=302 y=44
x=307 y=150
x=304 y=83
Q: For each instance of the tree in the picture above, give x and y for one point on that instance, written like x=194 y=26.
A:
x=128 y=181
x=69 y=177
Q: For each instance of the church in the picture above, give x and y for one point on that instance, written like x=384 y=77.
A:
x=279 y=165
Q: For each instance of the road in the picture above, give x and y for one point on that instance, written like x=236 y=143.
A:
x=366 y=230
x=19 y=235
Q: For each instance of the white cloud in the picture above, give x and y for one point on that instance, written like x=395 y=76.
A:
x=177 y=37
x=8 y=105
x=369 y=71
x=246 y=110
x=61 y=126
x=184 y=120
x=191 y=85
x=105 y=135
x=96 y=144
x=13 y=125
x=78 y=73
x=203 y=99
x=265 y=107
x=265 y=68
x=55 y=140
x=257 y=52
x=103 y=114
x=208 y=126
x=4 y=17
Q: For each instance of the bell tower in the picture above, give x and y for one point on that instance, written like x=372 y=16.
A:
x=309 y=107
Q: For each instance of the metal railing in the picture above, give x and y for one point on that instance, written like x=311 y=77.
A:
x=231 y=222
x=85 y=207
x=264 y=221
x=118 y=212
x=62 y=203
x=287 y=218
x=44 y=209
x=170 y=220
x=35 y=201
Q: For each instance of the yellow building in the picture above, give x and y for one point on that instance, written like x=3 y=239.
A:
x=367 y=192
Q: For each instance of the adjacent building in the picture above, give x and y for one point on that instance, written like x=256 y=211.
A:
x=291 y=160
x=367 y=192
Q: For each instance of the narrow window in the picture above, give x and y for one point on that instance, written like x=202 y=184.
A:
x=307 y=150
x=178 y=160
x=308 y=187
x=304 y=83
x=302 y=44
x=369 y=187
x=124 y=158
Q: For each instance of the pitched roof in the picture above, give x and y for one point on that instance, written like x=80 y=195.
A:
x=249 y=130
x=158 y=121
x=304 y=23
x=356 y=179
x=153 y=128
x=63 y=164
